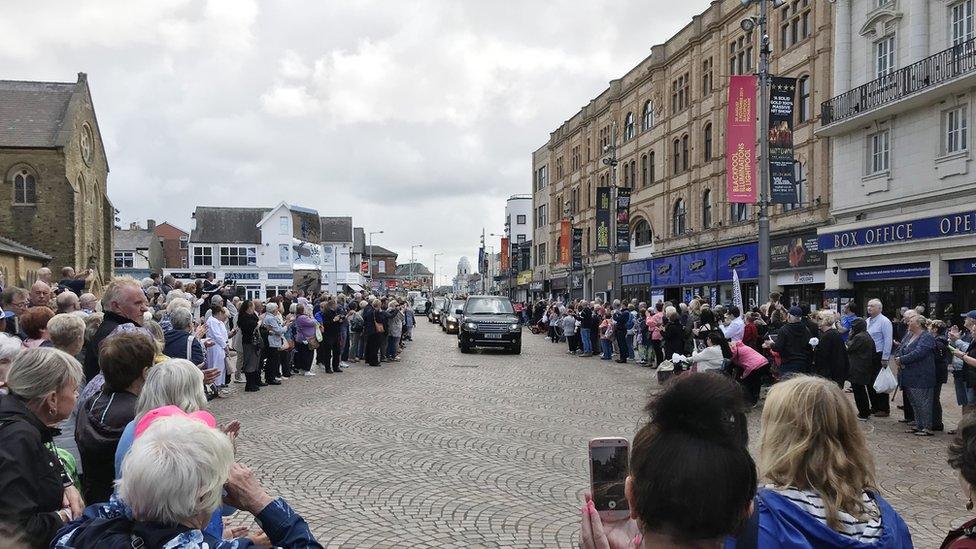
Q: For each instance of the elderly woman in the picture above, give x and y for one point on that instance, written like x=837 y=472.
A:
x=275 y=327
x=34 y=324
x=67 y=333
x=916 y=370
x=395 y=315
x=304 y=331
x=36 y=496
x=217 y=353
x=250 y=350
x=173 y=479
x=830 y=354
x=860 y=357
x=10 y=347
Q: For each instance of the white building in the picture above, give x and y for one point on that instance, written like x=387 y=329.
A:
x=267 y=251
x=903 y=173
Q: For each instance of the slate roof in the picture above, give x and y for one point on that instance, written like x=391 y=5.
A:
x=378 y=251
x=418 y=270
x=133 y=239
x=217 y=224
x=13 y=247
x=31 y=113
x=358 y=240
x=336 y=229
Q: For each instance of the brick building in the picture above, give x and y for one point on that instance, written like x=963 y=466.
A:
x=54 y=195
x=175 y=242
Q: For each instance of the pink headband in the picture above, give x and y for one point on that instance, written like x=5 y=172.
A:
x=167 y=411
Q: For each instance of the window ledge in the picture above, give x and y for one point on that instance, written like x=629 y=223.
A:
x=25 y=205
x=956 y=163
x=876 y=182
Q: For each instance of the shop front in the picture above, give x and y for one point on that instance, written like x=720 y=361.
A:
x=707 y=274
x=927 y=260
x=797 y=268
x=635 y=280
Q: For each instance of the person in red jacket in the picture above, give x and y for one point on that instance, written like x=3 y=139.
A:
x=962 y=458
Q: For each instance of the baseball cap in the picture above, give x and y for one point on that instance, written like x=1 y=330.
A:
x=168 y=411
x=796 y=311
x=970 y=314
x=6 y=314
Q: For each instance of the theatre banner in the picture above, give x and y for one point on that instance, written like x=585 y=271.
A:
x=504 y=255
x=782 y=182
x=623 y=220
x=740 y=146
x=602 y=219
x=577 y=249
x=564 y=242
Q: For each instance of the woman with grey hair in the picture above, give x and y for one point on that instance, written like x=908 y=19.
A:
x=272 y=322
x=396 y=319
x=173 y=479
x=36 y=495
x=10 y=347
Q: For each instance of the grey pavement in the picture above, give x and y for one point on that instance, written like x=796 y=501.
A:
x=489 y=450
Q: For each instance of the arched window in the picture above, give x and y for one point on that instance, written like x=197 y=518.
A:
x=633 y=173
x=626 y=176
x=707 y=141
x=651 y=174
x=739 y=213
x=603 y=180
x=629 y=126
x=676 y=151
x=706 y=209
x=25 y=187
x=641 y=233
x=644 y=170
x=803 y=99
x=648 y=116
x=678 y=218
x=684 y=152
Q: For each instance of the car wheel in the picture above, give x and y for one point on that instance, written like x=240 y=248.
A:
x=517 y=348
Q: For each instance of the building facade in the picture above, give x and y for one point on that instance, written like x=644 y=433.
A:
x=904 y=74
x=52 y=160
x=19 y=263
x=668 y=114
x=175 y=242
x=137 y=252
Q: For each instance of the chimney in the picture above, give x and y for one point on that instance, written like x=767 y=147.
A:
x=150 y=224
x=134 y=226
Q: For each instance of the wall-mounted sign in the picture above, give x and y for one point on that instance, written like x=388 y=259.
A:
x=799 y=251
x=957 y=224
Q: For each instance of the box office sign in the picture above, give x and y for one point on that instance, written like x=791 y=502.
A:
x=943 y=226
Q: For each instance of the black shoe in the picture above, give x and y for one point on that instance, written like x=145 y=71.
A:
x=274 y=383
x=328 y=371
x=939 y=428
x=251 y=389
x=262 y=384
x=338 y=370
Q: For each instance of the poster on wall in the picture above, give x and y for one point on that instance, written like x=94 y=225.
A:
x=782 y=183
x=577 y=249
x=623 y=219
x=797 y=251
x=740 y=159
x=306 y=254
x=602 y=219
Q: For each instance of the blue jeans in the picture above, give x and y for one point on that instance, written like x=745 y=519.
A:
x=607 y=346
x=586 y=341
x=391 y=347
x=964 y=395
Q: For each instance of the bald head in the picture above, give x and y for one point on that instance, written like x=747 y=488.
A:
x=40 y=293
x=68 y=302
x=87 y=301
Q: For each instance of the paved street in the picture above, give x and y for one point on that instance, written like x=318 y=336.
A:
x=489 y=450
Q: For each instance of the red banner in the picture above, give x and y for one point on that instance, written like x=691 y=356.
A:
x=740 y=145
x=504 y=255
x=565 y=242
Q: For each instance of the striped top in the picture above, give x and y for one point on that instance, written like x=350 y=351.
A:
x=868 y=531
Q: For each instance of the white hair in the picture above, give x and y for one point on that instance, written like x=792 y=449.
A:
x=10 y=347
x=66 y=329
x=216 y=300
x=876 y=302
x=293 y=308
x=178 y=303
x=175 y=471
x=38 y=372
x=271 y=307
x=173 y=295
x=175 y=382
x=181 y=318
x=113 y=292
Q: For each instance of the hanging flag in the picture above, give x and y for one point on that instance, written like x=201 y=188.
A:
x=504 y=255
x=740 y=146
x=623 y=219
x=736 y=290
x=565 y=242
x=782 y=184
x=577 y=249
x=602 y=219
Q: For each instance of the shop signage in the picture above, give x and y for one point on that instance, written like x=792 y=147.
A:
x=577 y=250
x=183 y=275
x=698 y=267
x=242 y=276
x=962 y=266
x=564 y=242
x=799 y=251
x=623 y=219
x=740 y=158
x=279 y=276
x=536 y=285
x=889 y=272
x=516 y=259
x=956 y=224
x=636 y=267
x=743 y=258
x=577 y=281
x=666 y=272
x=781 y=180
x=602 y=219
x=524 y=277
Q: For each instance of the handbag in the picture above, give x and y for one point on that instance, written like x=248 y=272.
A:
x=885 y=382
x=379 y=328
x=318 y=332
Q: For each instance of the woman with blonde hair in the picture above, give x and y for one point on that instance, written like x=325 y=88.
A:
x=821 y=489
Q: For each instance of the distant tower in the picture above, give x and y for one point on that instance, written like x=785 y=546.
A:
x=464 y=267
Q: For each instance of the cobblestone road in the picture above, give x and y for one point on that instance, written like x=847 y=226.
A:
x=489 y=450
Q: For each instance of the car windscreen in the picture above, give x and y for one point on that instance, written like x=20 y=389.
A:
x=439 y=302
x=456 y=304
x=489 y=306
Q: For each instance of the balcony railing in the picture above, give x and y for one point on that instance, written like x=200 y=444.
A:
x=937 y=69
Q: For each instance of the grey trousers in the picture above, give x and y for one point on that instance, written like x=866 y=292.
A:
x=922 y=405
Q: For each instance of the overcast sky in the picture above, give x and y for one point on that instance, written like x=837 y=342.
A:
x=417 y=118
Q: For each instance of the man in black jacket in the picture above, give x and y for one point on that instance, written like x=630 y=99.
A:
x=124 y=303
x=793 y=344
x=371 y=315
x=586 y=327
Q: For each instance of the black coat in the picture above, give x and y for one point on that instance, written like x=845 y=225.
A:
x=830 y=357
x=860 y=356
x=793 y=345
x=101 y=421
x=109 y=324
x=369 y=320
x=674 y=339
x=31 y=477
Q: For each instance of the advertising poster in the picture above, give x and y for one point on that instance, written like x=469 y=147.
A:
x=623 y=219
x=782 y=184
x=504 y=255
x=740 y=158
x=564 y=242
x=603 y=219
x=577 y=249
x=798 y=251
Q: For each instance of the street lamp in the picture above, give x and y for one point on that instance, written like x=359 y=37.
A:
x=611 y=160
x=371 y=256
x=412 y=263
x=749 y=24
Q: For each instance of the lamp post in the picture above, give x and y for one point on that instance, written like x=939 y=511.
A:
x=611 y=160
x=371 y=257
x=433 y=281
x=412 y=262
x=748 y=25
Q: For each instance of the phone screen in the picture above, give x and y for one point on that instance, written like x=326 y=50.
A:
x=609 y=472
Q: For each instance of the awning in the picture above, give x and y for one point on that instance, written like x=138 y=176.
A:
x=355 y=287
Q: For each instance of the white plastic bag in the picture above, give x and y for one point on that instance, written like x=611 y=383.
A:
x=885 y=382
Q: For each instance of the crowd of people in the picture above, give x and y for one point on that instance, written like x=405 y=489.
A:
x=103 y=402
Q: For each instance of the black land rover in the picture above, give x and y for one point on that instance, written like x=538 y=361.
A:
x=490 y=321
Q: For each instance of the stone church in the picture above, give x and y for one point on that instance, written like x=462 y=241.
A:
x=53 y=197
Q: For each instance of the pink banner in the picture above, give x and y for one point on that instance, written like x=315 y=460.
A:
x=740 y=145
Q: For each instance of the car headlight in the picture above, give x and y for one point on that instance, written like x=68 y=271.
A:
x=470 y=326
x=514 y=327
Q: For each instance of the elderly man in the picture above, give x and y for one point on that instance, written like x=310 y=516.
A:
x=88 y=303
x=881 y=331
x=44 y=275
x=40 y=294
x=123 y=303
x=67 y=302
x=73 y=282
x=15 y=300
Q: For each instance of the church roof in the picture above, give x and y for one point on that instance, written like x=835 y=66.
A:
x=12 y=247
x=32 y=113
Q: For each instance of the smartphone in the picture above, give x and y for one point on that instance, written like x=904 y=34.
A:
x=609 y=463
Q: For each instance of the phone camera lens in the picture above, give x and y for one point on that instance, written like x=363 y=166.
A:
x=612 y=504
